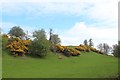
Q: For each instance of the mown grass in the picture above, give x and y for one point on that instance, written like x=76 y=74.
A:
x=87 y=65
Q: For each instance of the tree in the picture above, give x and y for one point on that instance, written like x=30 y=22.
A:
x=50 y=39
x=54 y=38
x=85 y=42
x=40 y=45
x=90 y=43
x=16 y=31
x=104 y=47
x=40 y=34
x=100 y=47
x=116 y=50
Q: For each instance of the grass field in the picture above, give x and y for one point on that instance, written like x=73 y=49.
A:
x=87 y=65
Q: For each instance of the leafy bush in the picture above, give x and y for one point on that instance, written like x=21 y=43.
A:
x=4 y=41
x=39 y=47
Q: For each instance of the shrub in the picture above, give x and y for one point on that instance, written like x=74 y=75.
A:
x=83 y=48
x=4 y=41
x=87 y=48
x=39 y=47
x=74 y=52
x=67 y=51
x=59 y=48
x=93 y=49
x=18 y=46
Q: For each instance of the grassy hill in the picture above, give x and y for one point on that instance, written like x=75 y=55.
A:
x=87 y=65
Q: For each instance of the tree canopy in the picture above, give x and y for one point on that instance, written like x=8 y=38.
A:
x=39 y=34
x=16 y=31
x=116 y=49
x=40 y=45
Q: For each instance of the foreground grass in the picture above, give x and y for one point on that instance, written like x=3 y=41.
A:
x=87 y=65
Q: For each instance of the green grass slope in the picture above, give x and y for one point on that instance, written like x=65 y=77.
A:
x=87 y=65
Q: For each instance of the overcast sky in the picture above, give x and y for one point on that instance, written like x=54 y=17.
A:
x=73 y=20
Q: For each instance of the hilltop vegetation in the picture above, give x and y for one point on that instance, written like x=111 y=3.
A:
x=43 y=58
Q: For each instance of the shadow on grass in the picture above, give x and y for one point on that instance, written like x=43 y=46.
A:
x=38 y=57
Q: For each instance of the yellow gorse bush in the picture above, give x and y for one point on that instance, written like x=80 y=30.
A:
x=67 y=50
x=87 y=48
x=83 y=48
x=18 y=46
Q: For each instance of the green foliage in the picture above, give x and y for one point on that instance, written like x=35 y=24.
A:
x=39 y=47
x=90 y=43
x=85 y=42
x=39 y=34
x=4 y=41
x=116 y=50
x=104 y=48
x=55 y=39
x=16 y=31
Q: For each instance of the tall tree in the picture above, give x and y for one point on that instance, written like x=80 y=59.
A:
x=54 y=38
x=50 y=32
x=90 y=43
x=40 y=45
x=40 y=34
x=16 y=31
x=106 y=48
x=100 y=47
x=85 y=42
x=116 y=49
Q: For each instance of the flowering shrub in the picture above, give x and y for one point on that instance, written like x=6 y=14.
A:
x=83 y=48
x=67 y=51
x=18 y=46
x=59 y=48
x=87 y=49
x=74 y=52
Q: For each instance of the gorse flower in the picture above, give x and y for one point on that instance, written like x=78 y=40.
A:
x=18 y=46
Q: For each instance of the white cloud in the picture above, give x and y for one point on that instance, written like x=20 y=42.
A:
x=103 y=11
x=81 y=31
x=96 y=9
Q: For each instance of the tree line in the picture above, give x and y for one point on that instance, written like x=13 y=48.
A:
x=40 y=44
